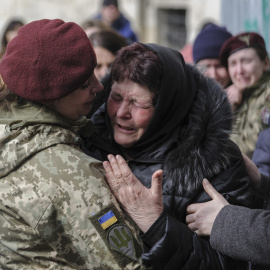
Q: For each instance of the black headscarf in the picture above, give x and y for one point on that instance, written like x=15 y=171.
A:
x=177 y=92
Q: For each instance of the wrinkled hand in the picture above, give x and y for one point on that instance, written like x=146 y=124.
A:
x=235 y=96
x=253 y=173
x=142 y=204
x=202 y=215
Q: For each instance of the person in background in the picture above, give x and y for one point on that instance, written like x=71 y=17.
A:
x=186 y=51
x=57 y=211
x=206 y=50
x=111 y=15
x=106 y=43
x=10 y=32
x=161 y=114
x=92 y=26
x=246 y=58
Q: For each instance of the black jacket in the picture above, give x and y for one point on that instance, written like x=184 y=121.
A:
x=195 y=148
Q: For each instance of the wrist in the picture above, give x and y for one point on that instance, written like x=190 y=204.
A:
x=156 y=231
x=145 y=223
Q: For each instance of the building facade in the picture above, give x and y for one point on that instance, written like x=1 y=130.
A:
x=170 y=23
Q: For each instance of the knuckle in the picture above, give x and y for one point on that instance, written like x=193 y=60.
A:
x=118 y=175
x=126 y=174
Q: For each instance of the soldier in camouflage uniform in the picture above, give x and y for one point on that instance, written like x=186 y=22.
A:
x=246 y=58
x=57 y=211
x=248 y=123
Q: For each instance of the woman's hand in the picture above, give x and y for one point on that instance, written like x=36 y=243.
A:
x=202 y=215
x=142 y=204
x=235 y=96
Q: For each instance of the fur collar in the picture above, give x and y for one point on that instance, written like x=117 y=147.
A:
x=201 y=150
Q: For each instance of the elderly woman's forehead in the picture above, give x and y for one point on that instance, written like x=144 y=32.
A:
x=129 y=87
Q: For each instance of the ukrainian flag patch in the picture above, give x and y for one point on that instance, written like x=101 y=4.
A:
x=107 y=220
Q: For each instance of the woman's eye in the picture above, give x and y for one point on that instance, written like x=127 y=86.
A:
x=98 y=66
x=142 y=106
x=116 y=97
x=86 y=85
x=247 y=61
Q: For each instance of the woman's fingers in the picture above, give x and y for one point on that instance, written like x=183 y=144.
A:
x=209 y=189
x=142 y=204
x=156 y=184
x=127 y=176
x=115 y=168
x=118 y=173
x=111 y=179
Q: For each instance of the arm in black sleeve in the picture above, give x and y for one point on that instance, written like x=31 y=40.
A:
x=177 y=247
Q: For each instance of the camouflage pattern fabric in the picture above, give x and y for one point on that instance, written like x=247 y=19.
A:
x=53 y=196
x=248 y=122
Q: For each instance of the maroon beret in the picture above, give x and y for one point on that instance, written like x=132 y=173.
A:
x=48 y=59
x=239 y=42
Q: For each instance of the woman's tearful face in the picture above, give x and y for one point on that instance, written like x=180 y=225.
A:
x=130 y=109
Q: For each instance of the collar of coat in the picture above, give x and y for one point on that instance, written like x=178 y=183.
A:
x=203 y=141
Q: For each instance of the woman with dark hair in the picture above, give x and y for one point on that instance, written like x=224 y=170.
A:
x=161 y=114
x=92 y=26
x=106 y=43
x=9 y=33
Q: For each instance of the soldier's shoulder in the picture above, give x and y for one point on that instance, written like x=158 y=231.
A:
x=69 y=156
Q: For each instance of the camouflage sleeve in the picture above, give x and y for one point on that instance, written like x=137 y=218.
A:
x=61 y=194
x=250 y=123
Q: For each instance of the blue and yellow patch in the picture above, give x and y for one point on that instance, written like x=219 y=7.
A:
x=118 y=237
x=107 y=220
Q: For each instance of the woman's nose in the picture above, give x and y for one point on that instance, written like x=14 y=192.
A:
x=123 y=110
x=239 y=68
x=97 y=86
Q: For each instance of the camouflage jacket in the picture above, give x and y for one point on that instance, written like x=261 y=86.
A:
x=248 y=122
x=56 y=209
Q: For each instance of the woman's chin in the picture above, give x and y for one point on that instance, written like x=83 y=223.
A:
x=124 y=144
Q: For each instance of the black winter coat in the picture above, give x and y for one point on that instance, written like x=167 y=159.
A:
x=197 y=148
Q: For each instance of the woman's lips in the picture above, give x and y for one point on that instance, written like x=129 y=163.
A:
x=125 y=129
x=243 y=79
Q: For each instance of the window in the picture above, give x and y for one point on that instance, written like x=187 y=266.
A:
x=172 y=28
